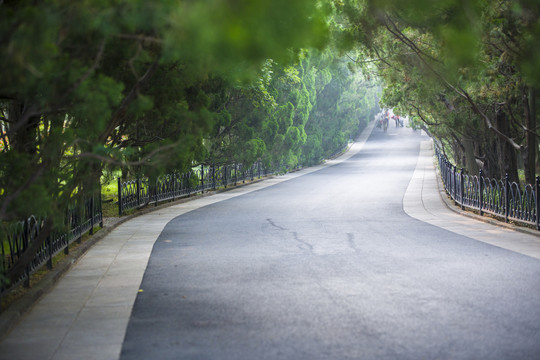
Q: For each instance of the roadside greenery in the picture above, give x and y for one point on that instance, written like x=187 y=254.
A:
x=467 y=72
x=145 y=88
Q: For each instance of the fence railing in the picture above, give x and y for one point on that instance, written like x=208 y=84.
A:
x=501 y=198
x=20 y=236
x=140 y=192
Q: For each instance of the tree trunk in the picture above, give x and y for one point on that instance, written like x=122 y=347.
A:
x=470 y=158
x=491 y=168
x=23 y=140
x=529 y=105
x=507 y=154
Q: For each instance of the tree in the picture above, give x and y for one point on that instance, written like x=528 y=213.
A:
x=91 y=83
x=293 y=114
x=465 y=70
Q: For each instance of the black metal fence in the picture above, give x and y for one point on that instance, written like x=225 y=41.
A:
x=501 y=198
x=142 y=191
x=18 y=238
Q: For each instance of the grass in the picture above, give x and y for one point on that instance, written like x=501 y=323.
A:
x=109 y=198
x=109 y=208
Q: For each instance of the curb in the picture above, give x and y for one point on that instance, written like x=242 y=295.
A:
x=457 y=209
x=15 y=312
x=10 y=317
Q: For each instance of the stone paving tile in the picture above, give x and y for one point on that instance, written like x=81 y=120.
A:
x=45 y=349
x=88 y=352
x=112 y=296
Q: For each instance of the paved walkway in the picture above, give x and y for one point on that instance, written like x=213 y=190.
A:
x=424 y=201
x=85 y=316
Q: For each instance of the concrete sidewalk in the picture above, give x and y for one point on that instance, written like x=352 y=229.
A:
x=425 y=201
x=86 y=314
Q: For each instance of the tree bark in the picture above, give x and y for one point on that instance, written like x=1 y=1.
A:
x=23 y=138
x=470 y=158
x=529 y=105
x=507 y=154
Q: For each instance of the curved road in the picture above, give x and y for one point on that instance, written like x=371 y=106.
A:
x=328 y=266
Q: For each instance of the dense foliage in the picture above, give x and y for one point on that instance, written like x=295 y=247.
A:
x=151 y=87
x=92 y=86
x=293 y=114
x=465 y=71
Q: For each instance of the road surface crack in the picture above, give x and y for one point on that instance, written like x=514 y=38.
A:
x=275 y=225
x=303 y=243
x=350 y=241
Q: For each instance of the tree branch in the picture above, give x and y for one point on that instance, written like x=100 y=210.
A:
x=373 y=60
x=404 y=39
x=381 y=58
x=9 y=198
x=400 y=36
x=110 y=160
x=119 y=114
x=140 y=38
x=130 y=62
x=489 y=124
x=424 y=120
x=518 y=123
x=33 y=111
x=91 y=70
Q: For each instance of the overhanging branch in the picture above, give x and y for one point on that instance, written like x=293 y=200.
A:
x=393 y=29
x=113 y=161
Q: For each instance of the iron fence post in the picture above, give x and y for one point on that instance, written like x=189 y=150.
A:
x=454 y=182
x=156 y=192
x=506 y=198
x=450 y=180
x=462 y=189
x=70 y=222
x=26 y=244
x=213 y=176
x=79 y=224
x=481 y=195
x=119 y=197
x=202 y=178
x=537 y=199
x=448 y=175
x=100 y=208
x=49 y=245
x=91 y=232
x=138 y=185
x=174 y=186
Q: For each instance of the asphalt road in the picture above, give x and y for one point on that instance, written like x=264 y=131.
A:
x=329 y=266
